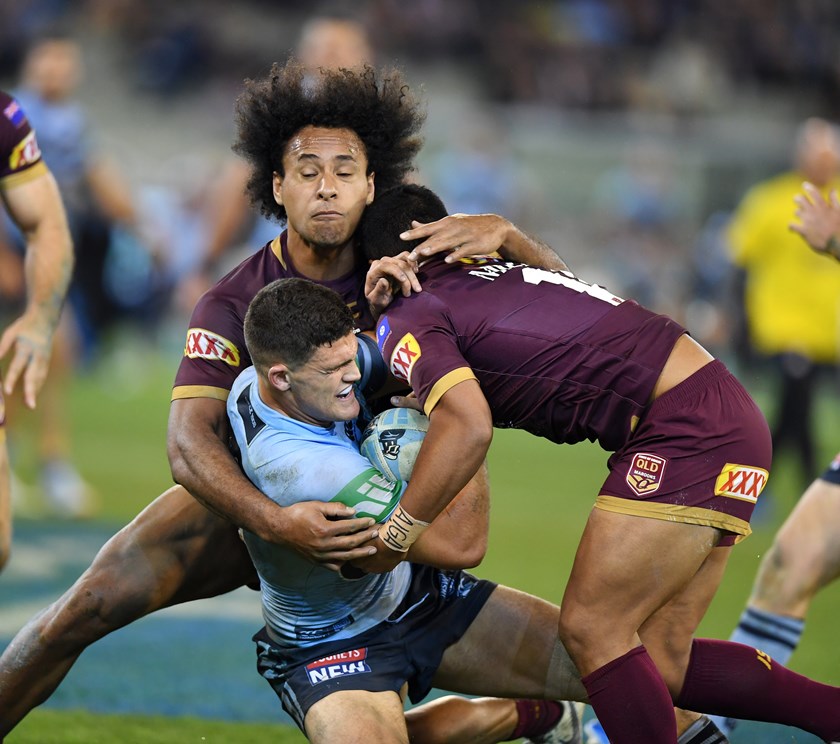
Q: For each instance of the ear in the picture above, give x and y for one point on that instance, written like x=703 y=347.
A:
x=278 y=377
x=277 y=187
x=371 y=189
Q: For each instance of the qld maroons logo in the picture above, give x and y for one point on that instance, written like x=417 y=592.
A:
x=645 y=473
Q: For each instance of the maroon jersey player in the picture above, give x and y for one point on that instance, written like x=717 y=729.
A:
x=215 y=351
x=491 y=342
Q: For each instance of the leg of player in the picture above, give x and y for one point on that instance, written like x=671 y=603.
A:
x=518 y=633
x=490 y=720
x=357 y=717
x=804 y=557
x=626 y=568
x=172 y=552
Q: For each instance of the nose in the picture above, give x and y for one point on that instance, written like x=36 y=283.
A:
x=326 y=189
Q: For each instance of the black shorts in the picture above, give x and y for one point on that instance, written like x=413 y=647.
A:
x=437 y=610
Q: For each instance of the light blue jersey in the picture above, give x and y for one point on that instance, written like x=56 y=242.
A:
x=291 y=461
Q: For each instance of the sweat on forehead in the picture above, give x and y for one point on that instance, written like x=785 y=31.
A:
x=312 y=140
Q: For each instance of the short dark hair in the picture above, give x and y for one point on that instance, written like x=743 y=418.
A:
x=289 y=319
x=391 y=213
x=377 y=106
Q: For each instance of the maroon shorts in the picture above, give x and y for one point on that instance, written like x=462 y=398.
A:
x=701 y=455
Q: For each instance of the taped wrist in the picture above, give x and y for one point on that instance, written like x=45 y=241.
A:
x=400 y=530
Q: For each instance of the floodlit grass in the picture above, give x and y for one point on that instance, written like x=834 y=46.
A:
x=79 y=727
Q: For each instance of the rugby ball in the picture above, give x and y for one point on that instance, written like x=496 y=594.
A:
x=392 y=440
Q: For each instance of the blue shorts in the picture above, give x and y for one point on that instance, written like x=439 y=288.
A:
x=832 y=474
x=436 y=611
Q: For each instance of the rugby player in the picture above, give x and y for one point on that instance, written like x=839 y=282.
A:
x=500 y=343
x=30 y=195
x=317 y=153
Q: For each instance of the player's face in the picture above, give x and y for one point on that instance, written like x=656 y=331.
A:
x=322 y=389
x=325 y=186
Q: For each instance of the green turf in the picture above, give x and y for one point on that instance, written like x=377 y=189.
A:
x=79 y=727
x=541 y=496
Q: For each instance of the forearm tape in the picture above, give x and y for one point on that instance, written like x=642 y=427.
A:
x=400 y=530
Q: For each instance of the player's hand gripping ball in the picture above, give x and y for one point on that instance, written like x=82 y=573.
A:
x=392 y=440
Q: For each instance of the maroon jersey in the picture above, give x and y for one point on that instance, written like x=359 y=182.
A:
x=555 y=356
x=215 y=351
x=20 y=157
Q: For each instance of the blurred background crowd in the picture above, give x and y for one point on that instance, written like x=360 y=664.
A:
x=626 y=133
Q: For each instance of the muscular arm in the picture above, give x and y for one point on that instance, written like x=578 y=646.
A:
x=458 y=536
x=201 y=462
x=481 y=234
x=460 y=236
x=460 y=423
x=36 y=208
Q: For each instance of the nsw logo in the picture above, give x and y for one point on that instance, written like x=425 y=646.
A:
x=741 y=482
x=337 y=665
x=405 y=354
x=645 y=473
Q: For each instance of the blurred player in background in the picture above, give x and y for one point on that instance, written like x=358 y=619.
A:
x=96 y=199
x=31 y=198
x=179 y=549
x=495 y=343
x=805 y=554
x=790 y=295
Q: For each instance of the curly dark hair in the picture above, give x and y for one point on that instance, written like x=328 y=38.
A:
x=377 y=106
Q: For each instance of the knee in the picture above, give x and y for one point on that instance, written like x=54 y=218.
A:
x=788 y=575
x=110 y=594
x=576 y=628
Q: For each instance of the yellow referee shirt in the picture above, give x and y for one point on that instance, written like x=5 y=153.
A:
x=792 y=293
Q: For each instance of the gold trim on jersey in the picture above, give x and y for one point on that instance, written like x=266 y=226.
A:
x=448 y=381
x=199 y=391
x=277 y=250
x=19 y=177
x=675 y=513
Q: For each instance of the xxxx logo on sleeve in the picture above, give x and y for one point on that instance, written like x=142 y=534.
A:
x=741 y=482
x=645 y=473
x=204 y=344
x=405 y=354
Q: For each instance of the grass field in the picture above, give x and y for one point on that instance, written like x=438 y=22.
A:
x=541 y=496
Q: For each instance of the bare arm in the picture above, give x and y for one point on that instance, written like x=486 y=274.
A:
x=458 y=536
x=819 y=220
x=460 y=422
x=5 y=494
x=201 y=462
x=36 y=208
x=460 y=235
x=480 y=235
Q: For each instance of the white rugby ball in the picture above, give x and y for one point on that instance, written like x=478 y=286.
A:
x=392 y=440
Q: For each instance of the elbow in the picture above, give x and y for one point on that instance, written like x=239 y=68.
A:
x=480 y=436
x=177 y=462
x=471 y=555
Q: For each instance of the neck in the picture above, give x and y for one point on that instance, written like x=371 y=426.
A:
x=320 y=262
